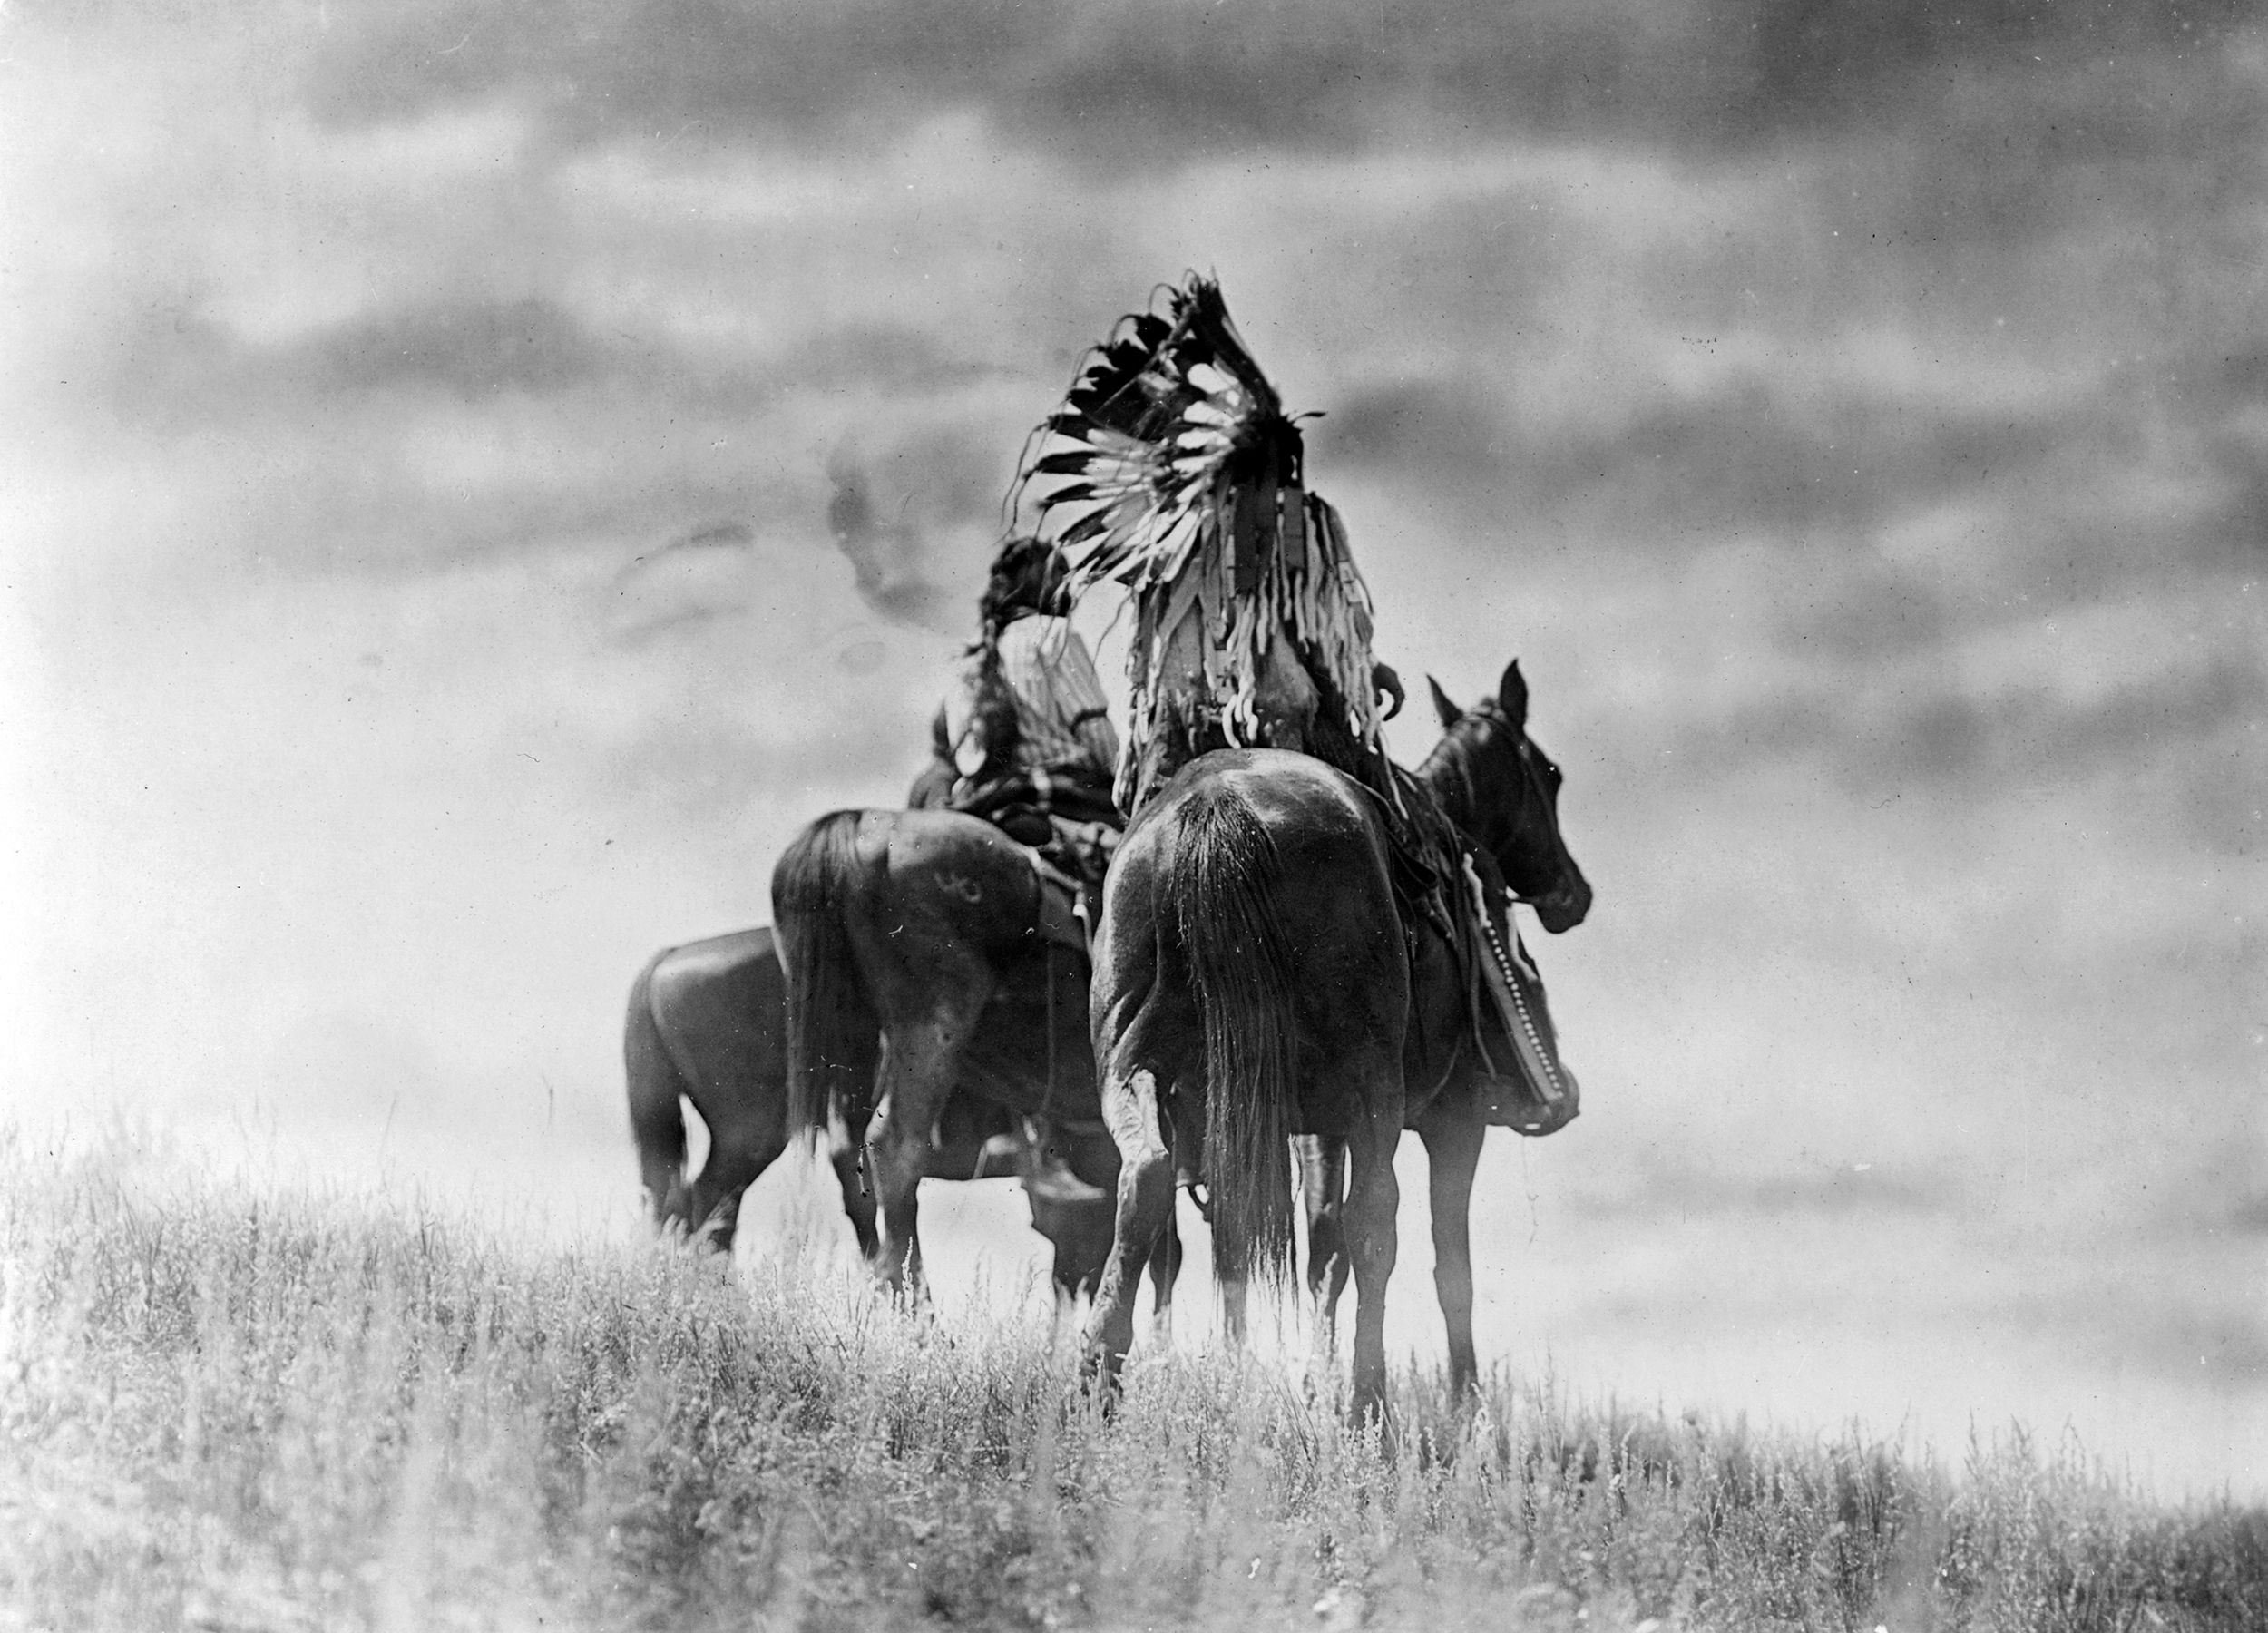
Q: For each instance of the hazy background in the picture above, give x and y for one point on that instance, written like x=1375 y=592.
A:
x=421 y=426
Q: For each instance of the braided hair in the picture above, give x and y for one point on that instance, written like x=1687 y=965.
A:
x=1027 y=581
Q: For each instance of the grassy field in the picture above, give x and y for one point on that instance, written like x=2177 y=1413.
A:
x=228 y=1410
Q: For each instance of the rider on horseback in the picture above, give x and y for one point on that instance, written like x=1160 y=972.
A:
x=1177 y=474
x=1251 y=625
x=1027 y=728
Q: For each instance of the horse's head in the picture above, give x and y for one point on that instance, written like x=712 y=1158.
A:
x=1498 y=786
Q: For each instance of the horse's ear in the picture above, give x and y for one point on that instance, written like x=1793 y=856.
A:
x=1449 y=713
x=1512 y=695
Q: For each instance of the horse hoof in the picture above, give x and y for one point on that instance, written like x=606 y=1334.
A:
x=1368 y=1412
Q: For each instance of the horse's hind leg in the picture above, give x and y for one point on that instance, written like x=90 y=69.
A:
x=1165 y=1269
x=1145 y=1208
x=1373 y=1197
x=1452 y=1153
x=748 y=1130
x=1322 y=1196
x=714 y=1197
x=920 y=1059
x=846 y=1153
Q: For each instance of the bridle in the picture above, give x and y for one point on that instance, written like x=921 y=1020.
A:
x=1453 y=755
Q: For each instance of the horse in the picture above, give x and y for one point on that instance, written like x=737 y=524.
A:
x=708 y=1026
x=920 y=963
x=1255 y=980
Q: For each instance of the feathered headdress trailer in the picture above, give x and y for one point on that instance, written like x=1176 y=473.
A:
x=1172 y=469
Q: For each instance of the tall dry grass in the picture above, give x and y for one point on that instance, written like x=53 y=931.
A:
x=230 y=1409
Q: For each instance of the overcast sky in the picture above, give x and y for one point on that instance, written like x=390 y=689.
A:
x=424 y=422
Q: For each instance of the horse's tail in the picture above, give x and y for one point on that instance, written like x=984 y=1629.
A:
x=657 y=1123
x=1240 y=968
x=832 y=1026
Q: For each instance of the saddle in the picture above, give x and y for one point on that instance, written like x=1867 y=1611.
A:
x=1068 y=824
x=1066 y=831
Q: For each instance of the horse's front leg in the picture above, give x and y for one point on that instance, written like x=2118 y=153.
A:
x=1452 y=1152
x=915 y=1078
x=1323 y=1197
x=1373 y=1199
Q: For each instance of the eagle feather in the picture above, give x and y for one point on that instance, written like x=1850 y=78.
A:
x=1171 y=468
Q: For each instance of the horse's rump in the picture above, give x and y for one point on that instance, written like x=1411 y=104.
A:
x=889 y=919
x=719 y=999
x=657 y=1123
x=707 y=1026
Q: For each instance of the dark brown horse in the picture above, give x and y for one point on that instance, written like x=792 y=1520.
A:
x=708 y=1026
x=919 y=965
x=1256 y=981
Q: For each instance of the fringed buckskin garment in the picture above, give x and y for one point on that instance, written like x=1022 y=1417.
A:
x=1026 y=725
x=1049 y=716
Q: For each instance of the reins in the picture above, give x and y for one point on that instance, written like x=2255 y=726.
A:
x=1453 y=754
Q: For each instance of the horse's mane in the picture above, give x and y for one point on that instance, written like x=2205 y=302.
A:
x=1449 y=773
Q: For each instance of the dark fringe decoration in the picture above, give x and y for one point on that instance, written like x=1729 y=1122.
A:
x=1224 y=862
x=833 y=1032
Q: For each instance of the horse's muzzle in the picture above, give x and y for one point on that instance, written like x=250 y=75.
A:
x=1564 y=908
